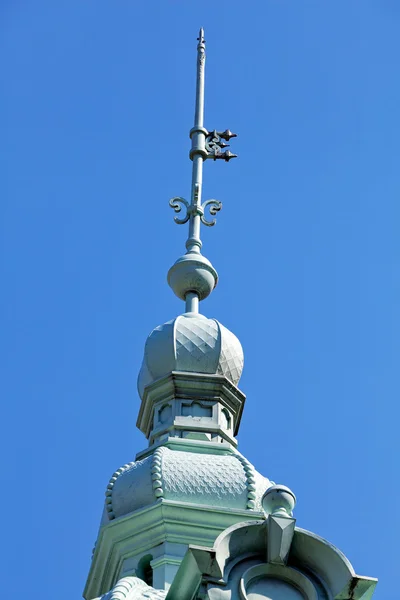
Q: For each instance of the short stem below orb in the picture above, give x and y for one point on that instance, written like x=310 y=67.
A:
x=192 y=302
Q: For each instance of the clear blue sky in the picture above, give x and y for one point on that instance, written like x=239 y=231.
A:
x=96 y=107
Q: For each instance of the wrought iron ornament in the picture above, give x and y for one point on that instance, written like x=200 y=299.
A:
x=195 y=209
x=215 y=145
x=205 y=145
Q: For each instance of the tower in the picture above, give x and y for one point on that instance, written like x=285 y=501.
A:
x=191 y=518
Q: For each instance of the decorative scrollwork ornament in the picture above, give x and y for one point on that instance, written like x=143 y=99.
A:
x=175 y=203
x=215 y=206
x=195 y=209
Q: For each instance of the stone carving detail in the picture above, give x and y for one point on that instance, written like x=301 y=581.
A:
x=110 y=487
x=133 y=588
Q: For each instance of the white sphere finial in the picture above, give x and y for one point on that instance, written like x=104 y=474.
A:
x=279 y=501
x=192 y=273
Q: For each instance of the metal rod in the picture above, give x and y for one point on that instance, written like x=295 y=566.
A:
x=192 y=302
x=198 y=152
x=201 y=59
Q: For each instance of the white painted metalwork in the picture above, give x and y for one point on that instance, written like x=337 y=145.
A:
x=191 y=282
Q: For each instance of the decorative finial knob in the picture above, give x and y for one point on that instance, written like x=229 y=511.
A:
x=279 y=501
x=192 y=273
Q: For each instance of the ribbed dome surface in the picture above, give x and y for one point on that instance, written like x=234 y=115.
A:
x=224 y=480
x=192 y=343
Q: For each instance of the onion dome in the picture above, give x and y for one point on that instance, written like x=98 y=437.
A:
x=191 y=343
x=227 y=481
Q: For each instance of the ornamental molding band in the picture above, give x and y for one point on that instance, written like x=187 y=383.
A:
x=156 y=473
x=110 y=487
x=191 y=518
x=251 y=481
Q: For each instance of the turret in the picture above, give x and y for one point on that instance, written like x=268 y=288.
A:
x=190 y=518
x=190 y=483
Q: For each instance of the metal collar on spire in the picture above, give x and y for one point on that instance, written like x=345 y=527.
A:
x=205 y=145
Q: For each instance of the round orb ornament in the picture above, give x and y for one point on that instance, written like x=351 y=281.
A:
x=193 y=273
x=279 y=500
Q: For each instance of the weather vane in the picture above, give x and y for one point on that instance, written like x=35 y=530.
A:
x=205 y=145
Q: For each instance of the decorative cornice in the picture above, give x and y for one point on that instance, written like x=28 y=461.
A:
x=176 y=521
x=166 y=559
x=174 y=443
x=110 y=487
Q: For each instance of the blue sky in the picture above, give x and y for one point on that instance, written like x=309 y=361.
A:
x=96 y=107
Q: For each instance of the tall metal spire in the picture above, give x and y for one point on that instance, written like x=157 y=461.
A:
x=205 y=144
